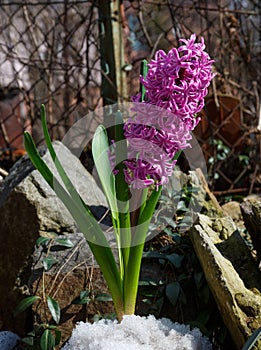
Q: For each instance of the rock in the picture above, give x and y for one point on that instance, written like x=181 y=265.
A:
x=232 y=209
x=231 y=273
x=251 y=211
x=229 y=267
x=9 y=340
x=239 y=307
x=29 y=208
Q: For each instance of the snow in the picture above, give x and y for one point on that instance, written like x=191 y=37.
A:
x=136 y=333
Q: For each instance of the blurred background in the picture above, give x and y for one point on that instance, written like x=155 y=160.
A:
x=75 y=56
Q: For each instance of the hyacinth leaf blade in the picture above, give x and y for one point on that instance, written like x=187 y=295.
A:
x=100 y=148
x=86 y=223
x=122 y=188
x=67 y=182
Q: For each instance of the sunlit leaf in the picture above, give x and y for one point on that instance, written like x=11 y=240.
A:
x=54 y=309
x=48 y=262
x=100 y=149
x=42 y=241
x=64 y=242
x=86 y=222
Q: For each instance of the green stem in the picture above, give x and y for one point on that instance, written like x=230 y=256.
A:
x=131 y=281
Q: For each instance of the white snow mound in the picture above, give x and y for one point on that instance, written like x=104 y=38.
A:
x=136 y=333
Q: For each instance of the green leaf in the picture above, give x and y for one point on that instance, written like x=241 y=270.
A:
x=96 y=318
x=103 y=297
x=42 y=241
x=83 y=298
x=58 y=333
x=25 y=304
x=81 y=214
x=58 y=337
x=199 y=278
x=54 y=308
x=85 y=220
x=47 y=341
x=181 y=206
x=172 y=292
x=64 y=242
x=67 y=182
x=175 y=259
x=29 y=340
x=48 y=262
x=100 y=149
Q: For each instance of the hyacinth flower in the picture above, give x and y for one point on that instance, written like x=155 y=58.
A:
x=134 y=159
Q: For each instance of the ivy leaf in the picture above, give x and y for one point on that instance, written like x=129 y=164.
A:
x=83 y=298
x=29 y=340
x=172 y=292
x=175 y=259
x=64 y=242
x=25 y=303
x=42 y=241
x=54 y=309
x=58 y=333
x=48 y=262
x=103 y=297
x=47 y=341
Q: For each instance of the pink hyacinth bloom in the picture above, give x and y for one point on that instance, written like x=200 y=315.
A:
x=153 y=145
x=176 y=84
x=178 y=81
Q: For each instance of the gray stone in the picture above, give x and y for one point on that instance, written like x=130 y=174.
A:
x=29 y=208
x=251 y=211
x=229 y=267
x=239 y=306
x=8 y=340
x=51 y=214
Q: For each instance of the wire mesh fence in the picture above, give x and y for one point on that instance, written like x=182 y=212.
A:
x=75 y=56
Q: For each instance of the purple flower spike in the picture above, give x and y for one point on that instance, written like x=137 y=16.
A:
x=153 y=145
x=176 y=84
x=178 y=81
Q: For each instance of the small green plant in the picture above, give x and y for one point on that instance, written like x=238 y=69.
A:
x=221 y=153
x=45 y=336
x=88 y=297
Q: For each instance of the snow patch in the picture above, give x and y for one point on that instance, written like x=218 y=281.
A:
x=136 y=333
